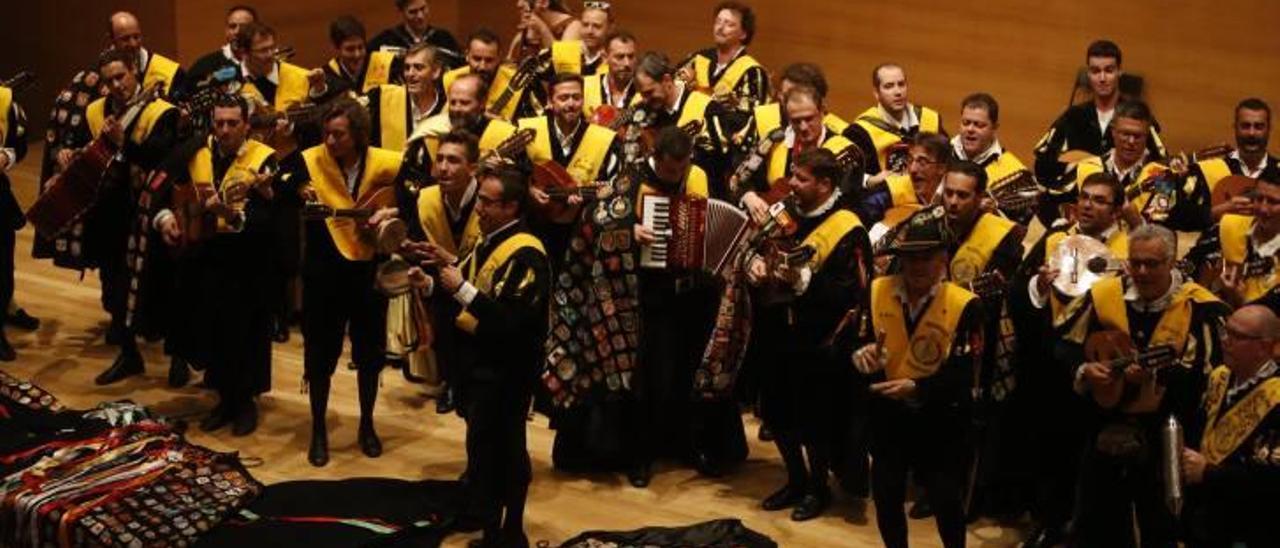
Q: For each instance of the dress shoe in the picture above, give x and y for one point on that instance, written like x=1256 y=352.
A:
x=786 y=497
x=514 y=539
x=179 y=374
x=811 y=506
x=127 y=364
x=707 y=465
x=1044 y=537
x=764 y=433
x=318 y=455
x=640 y=475
x=370 y=445
x=216 y=419
x=445 y=403
x=21 y=320
x=920 y=510
x=7 y=353
x=245 y=421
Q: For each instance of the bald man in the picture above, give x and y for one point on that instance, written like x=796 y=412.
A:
x=126 y=35
x=223 y=64
x=1233 y=469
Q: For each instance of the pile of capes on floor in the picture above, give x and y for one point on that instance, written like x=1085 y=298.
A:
x=721 y=533
x=111 y=476
x=360 y=512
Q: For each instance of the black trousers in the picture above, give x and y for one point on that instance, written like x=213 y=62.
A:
x=498 y=467
x=339 y=299
x=797 y=401
x=107 y=236
x=8 y=240
x=1113 y=490
x=932 y=444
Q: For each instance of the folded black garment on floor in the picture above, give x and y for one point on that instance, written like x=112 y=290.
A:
x=721 y=533
x=364 y=512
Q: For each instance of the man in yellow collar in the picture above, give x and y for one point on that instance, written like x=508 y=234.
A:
x=670 y=102
x=1241 y=250
x=226 y=276
x=1250 y=158
x=977 y=142
x=112 y=221
x=1155 y=308
x=920 y=341
x=612 y=87
x=889 y=200
x=881 y=129
x=1036 y=310
x=767 y=117
x=344 y=174
x=726 y=70
x=397 y=110
x=126 y=36
x=483 y=59
x=500 y=293
x=1235 y=464
x=353 y=67
x=802 y=396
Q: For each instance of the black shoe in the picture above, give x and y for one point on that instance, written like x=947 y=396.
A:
x=764 y=433
x=920 y=510
x=217 y=418
x=370 y=445
x=811 y=506
x=127 y=364
x=706 y=465
x=179 y=374
x=640 y=475
x=246 y=420
x=116 y=333
x=21 y=320
x=7 y=353
x=1044 y=537
x=786 y=497
x=318 y=455
x=445 y=403
x=514 y=539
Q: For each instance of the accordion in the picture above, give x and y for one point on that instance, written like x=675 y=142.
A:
x=691 y=233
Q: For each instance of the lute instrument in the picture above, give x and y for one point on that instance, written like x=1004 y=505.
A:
x=1116 y=351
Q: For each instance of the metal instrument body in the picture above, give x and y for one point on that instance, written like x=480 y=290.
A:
x=1072 y=258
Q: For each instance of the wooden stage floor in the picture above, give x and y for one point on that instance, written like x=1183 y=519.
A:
x=67 y=351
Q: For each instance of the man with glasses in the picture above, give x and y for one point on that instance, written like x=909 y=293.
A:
x=1155 y=306
x=1058 y=436
x=1241 y=249
x=888 y=201
x=1235 y=465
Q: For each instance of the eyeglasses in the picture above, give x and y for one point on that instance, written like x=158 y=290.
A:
x=596 y=5
x=1097 y=199
x=923 y=161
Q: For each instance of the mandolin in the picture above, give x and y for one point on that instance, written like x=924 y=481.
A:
x=1115 y=350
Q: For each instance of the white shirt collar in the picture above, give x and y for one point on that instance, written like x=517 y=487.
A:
x=468 y=195
x=908 y=120
x=419 y=115
x=675 y=109
x=565 y=140
x=273 y=76
x=144 y=57
x=621 y=100
x=1265 y=249
x=1250 y=171
x=789 y=136
x=993 y=151
x=1239 y=385
x=353 y=175
x=1104 y=119
x=1131 y=296
x=825 y=207
x=1127 y=176
x=230 y=55
x=914 y=310
x=489 y=237
x=721 y=66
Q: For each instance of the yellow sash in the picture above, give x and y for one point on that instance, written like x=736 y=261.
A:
x=435 y=222
x=393 y=104
x=247 y=164
x=6 y=101
x=929 y=119
x=1214 y=170
x=95 y=115
x=380 y=170
x=695 y=108
x=1148 y=171
x=294 y=87
x=160 y=69
x=824 y=239
x=1003 y=168
x=378 y=73
x=973 y=255
x=1174 y=324
x=1085 y=168
x=1223 y=435
x=901 y=191
x=729 y=79
x=586 y=162
x=494 y=134
x=500 y=81
x=566 y=56
x=921 y=353
x=695 y=185
x=768 y=118
x=1233 y=232
x=483 y=278
x=780 y=157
